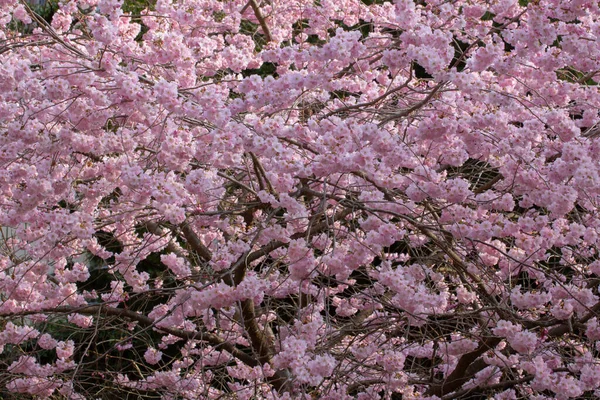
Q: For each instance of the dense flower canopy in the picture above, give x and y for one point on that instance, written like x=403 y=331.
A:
x=281 y=199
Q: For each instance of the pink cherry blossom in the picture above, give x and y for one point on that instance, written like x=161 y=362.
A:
x=152 y=356
x=288 y=199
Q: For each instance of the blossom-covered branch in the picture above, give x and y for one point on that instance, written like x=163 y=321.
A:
x=348 y=199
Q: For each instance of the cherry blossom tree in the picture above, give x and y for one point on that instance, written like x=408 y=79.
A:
x=295 y=199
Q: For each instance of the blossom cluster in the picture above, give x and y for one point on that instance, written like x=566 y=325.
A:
x=283 y=199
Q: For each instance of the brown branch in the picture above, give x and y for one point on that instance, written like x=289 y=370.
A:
x=488 y=185
x=260 y=171
x=148 y=322
x=155 y=229
x=405 y=112
x=38 y=43
x=369 y=103
x=360 y=384
x=195 y=243
x=237 y=182
x=91 y=156
x=261 y=20
x=462 y=373
x=243 y=10
x=587 y=77
x=262 y=342
x=570 y=325
x=46 y=27
x=349 y=68
x=496 y=386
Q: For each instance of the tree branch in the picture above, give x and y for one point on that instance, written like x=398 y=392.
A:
x=261 y=20
x=461 y=373
x=148 y=322
x=194 y=242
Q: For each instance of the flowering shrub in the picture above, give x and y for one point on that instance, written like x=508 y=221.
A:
x=300 y=199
